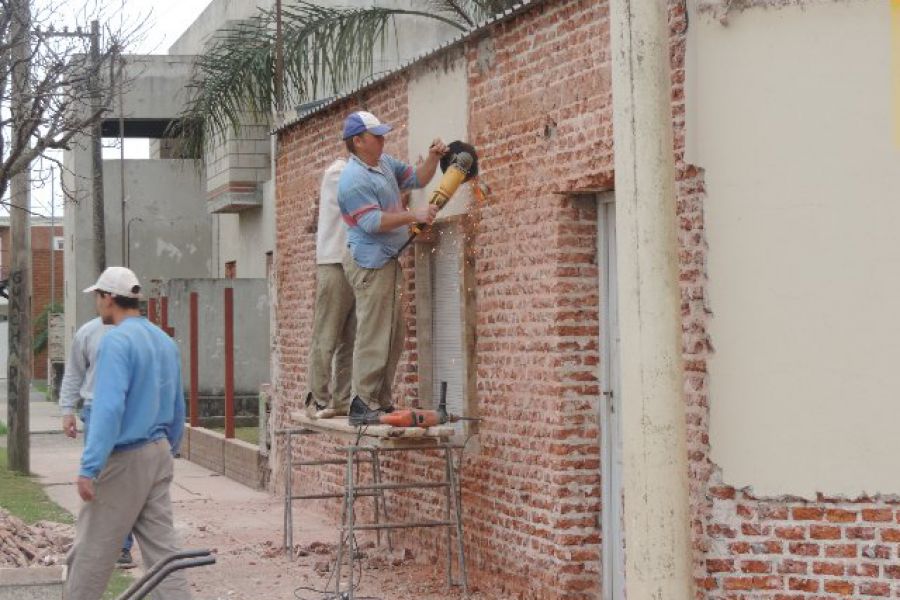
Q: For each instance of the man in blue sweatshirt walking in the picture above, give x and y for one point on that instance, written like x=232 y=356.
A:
x=136 y=422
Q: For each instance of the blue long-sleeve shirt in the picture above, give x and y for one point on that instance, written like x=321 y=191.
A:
x=138 y=395
x=364 y=192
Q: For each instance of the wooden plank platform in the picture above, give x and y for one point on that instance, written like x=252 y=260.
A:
x=340 y=427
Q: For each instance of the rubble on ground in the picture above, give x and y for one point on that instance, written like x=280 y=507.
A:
x=42 y=544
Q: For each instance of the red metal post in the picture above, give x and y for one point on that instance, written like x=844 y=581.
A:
x=151 y=311
x=229 y=363
x=195 y=360
x=164 y=316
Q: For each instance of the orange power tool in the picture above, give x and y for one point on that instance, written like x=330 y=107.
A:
x=416 y=417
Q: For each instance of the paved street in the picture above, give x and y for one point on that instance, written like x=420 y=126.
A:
x=243 y=527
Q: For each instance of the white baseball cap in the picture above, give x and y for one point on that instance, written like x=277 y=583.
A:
x=117 y=281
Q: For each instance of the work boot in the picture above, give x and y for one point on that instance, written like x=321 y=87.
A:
x=125 y=561
x=361 y=414
x=313 y=408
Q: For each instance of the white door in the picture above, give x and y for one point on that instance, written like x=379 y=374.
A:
x=613 y=585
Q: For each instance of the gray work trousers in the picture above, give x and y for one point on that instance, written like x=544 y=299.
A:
x=379 y=329
x=331 y=347
x=131 y=494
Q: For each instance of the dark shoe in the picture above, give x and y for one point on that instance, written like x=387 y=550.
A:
x=313 y=408
x=125 y=561
x=360 y=414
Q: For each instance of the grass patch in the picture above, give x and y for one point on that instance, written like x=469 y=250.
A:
x=39 y=385
x=118 y=583
x=245 y=434
x=3 y=428
x=25 y=498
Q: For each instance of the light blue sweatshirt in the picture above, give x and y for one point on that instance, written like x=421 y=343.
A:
x=138 y=396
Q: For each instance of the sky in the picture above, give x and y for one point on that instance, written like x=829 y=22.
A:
x=166 y=20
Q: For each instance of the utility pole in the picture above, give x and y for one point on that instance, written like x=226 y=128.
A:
x=20 y=355
x=654 y=448
x=279 y=62
x=52 y=237
x=121 y=78
x=97 y=154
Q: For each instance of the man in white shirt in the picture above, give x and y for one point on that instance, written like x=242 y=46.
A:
x=77 y=391
x=334 y=323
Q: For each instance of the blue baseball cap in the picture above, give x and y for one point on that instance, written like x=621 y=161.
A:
x=362 y=121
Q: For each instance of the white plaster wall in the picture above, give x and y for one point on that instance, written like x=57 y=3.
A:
x=789 y=113
x=438 y=107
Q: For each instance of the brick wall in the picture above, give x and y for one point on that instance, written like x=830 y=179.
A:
x=40 y=283
x=540 y=114
x=531 y=494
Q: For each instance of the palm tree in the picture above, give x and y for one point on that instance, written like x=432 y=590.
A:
x=325 y=49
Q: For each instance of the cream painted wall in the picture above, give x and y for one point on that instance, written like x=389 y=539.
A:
x=439 y=107
x=789 y=113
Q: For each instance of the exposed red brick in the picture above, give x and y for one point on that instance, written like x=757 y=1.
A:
x=802 y=549
x=808 y=513
x=844 y=588
x=863 y=570
x=890 y=535
x=841 y=551
x=873 y=588
x=773 y=512
x=756 y=566
x=715 y=565
x=722 y=492
x=827 y=568
x=754 y=529
x=839 y=515
x=803 y=585
x=793 y=567
x=824 y=532
x=793 y=532
x=738 y=583
x=877 y=514
x=860 y=533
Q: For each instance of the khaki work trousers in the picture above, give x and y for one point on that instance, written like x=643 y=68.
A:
x=379 y=329
x=331 y=348
x=131 y=492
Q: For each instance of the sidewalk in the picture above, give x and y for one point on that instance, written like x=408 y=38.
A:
x=242 y=526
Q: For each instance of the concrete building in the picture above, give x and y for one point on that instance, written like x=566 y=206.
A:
x=239 y=190
x=179 y=220
x=784 y=119
x=47 y=278
x=155 y=219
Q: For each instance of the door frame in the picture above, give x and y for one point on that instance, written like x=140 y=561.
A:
x=611 y=523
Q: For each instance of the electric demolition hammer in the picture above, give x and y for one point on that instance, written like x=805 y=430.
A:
x=415 y=417
x=459 y=165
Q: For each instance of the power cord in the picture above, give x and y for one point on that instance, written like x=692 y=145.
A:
x=352 y=546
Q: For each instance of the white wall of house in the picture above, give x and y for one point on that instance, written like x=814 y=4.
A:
x=438 y=107
x=790 y=114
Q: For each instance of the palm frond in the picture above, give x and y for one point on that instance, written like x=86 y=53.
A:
x=326 y=50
